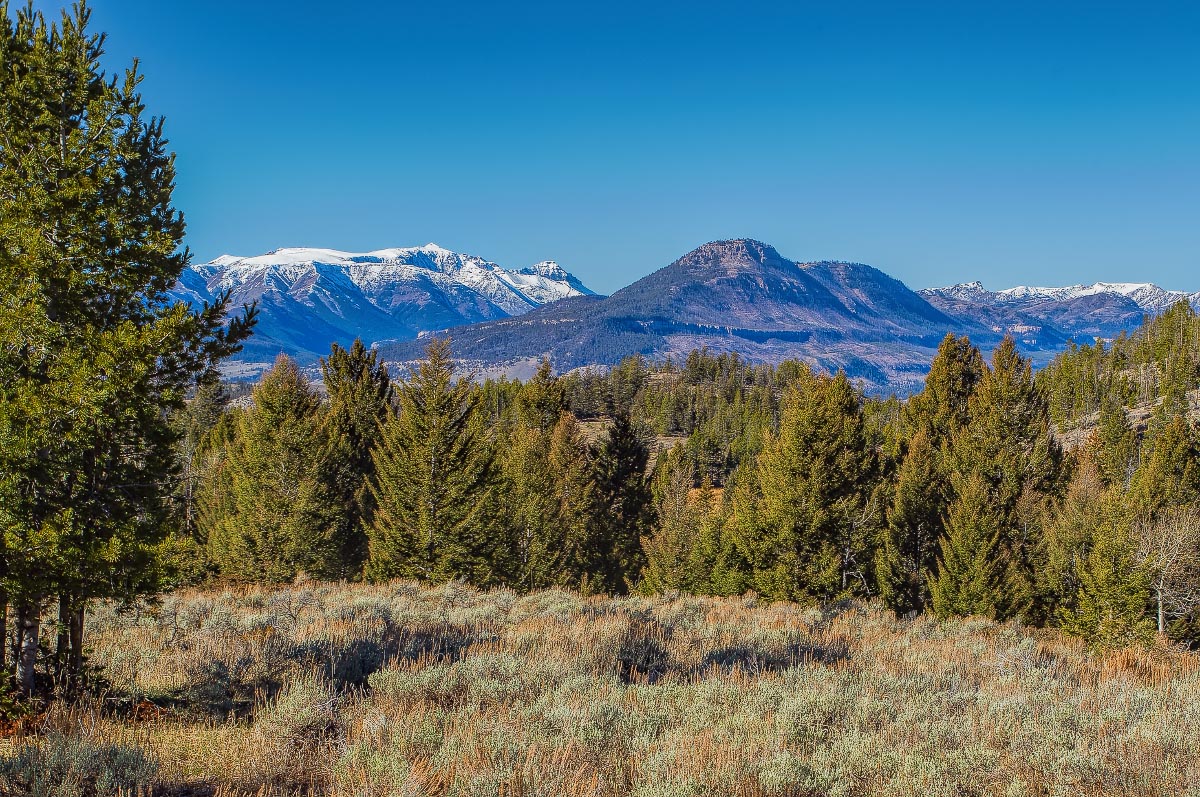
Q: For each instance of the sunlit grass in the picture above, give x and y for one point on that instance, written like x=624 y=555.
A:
x=398 y=690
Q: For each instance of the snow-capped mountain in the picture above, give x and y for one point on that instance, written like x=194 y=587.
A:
x=1148 y=296
x=1045 y=317
x=311 y=297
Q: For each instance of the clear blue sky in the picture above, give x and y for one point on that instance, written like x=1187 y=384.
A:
x=1013 y=142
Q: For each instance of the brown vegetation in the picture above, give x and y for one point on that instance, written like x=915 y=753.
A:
x=401 y=690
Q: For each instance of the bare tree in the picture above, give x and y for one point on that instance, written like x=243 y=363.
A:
x=1169 y=546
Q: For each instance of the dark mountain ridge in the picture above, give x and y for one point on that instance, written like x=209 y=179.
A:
x=738 y=295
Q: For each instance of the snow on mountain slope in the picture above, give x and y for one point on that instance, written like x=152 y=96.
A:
x=310 y=297
x=1147 y=296
x=1045 y=317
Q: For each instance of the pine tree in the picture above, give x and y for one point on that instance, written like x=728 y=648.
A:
x=1116 y=444
x=970 y=571
x=1110 y=605
x=282 y=517
x=705 y=574
x=575 y=493
x=1008 y=443
x=435 y=514
x=806 y=520
x=94 y=357
x=1072 y=528
x=942 y=406
x=624 y=506
x=1169 y=471
x=909 y=543
x=543 y=399
x=533 y=508
x=668 y=550
x=185 y=553
x=360 y=397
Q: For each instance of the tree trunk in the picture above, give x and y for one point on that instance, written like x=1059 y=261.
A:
x=75 y=663
x=30 y=626
x=63 y=643
x=1162 y=625
x=3 y=632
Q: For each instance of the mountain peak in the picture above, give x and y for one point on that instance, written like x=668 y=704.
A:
x=735 y=250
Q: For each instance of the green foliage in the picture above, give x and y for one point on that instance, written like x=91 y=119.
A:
x=434 y=491
x=1109 y=609
x=943 y=405
x=1008 y=443
x=1169 y=472
x=360 y=397
x=668 y=549
x=807 y=520
x=280 y=517
x=970 y=572
x=625 y=512
x=908 y=546
x=94 y=357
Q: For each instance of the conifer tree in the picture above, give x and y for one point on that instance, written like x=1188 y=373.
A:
x=360 y=398
x=435 y=513
x=94 y=356
x=942 y=406
x=806 y=520
x=970 y=573
x=534 y=508
x=577 y=510
x=668 y=550
x=1169 y=472
x=282 y=517
x=1110 y=605
x=624 y=506
x=1115 y=444
x=1008 y=443
x=705 y=566
x=543 y=399
x=1071 y=530
x=908 y=547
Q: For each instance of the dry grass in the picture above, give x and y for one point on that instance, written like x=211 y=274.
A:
x=398 y=690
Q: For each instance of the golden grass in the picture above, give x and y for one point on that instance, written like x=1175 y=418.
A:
x=399 y=690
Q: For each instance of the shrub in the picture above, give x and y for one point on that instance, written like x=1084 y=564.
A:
x=74 y=766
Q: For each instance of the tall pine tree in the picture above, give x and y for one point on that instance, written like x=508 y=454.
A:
x=281 y=518
x=94 y=355
x=908 y=547
x=1008 y=443
x=435 y=514
x=806 y=520
x=624 y=506
x=360 y=397
x=970 y=573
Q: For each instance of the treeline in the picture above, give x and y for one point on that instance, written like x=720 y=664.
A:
x=1158 y=362
x=767 y=478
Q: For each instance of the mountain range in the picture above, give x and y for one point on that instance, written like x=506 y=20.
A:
x=734 y=295
x=309 y=298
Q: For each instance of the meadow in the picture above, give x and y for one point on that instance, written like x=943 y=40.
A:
x=396 y=689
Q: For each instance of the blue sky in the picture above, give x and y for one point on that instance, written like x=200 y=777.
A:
x=1011 y=142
